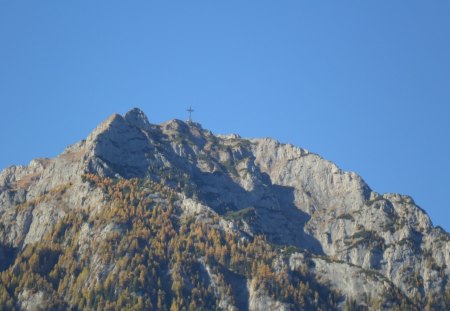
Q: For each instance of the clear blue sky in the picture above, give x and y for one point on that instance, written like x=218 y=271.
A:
x=365 y=84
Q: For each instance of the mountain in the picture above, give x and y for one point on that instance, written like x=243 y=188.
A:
x=142 y=216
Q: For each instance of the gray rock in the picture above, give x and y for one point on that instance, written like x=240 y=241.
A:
x=360 y=241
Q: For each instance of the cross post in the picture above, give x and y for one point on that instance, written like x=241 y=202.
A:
x=190 y=110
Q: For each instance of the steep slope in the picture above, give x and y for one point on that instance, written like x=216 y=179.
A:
x=172 y=216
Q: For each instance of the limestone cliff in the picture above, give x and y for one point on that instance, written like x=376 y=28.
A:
x=330 y=241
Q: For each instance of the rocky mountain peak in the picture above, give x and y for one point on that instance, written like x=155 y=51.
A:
x=312 y=223
x=175 y=126
x=113 y=121
x=137 y=117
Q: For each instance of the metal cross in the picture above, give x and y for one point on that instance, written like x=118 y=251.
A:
x=190 y=110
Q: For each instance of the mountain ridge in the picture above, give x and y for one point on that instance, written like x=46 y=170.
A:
x=336 y=227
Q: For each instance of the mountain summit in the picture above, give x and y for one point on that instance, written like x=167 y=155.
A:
x=142 y=216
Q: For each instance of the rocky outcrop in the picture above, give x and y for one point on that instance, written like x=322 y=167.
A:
x=384 y=233
x=357 y=241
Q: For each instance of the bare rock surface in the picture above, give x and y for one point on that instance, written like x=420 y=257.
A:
x=357 y=240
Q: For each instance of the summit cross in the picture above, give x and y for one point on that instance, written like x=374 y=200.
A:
x=190 y=110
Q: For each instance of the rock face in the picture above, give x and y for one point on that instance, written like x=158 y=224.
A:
x=325 y=228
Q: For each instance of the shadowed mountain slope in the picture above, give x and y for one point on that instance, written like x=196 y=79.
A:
x=171 y=216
